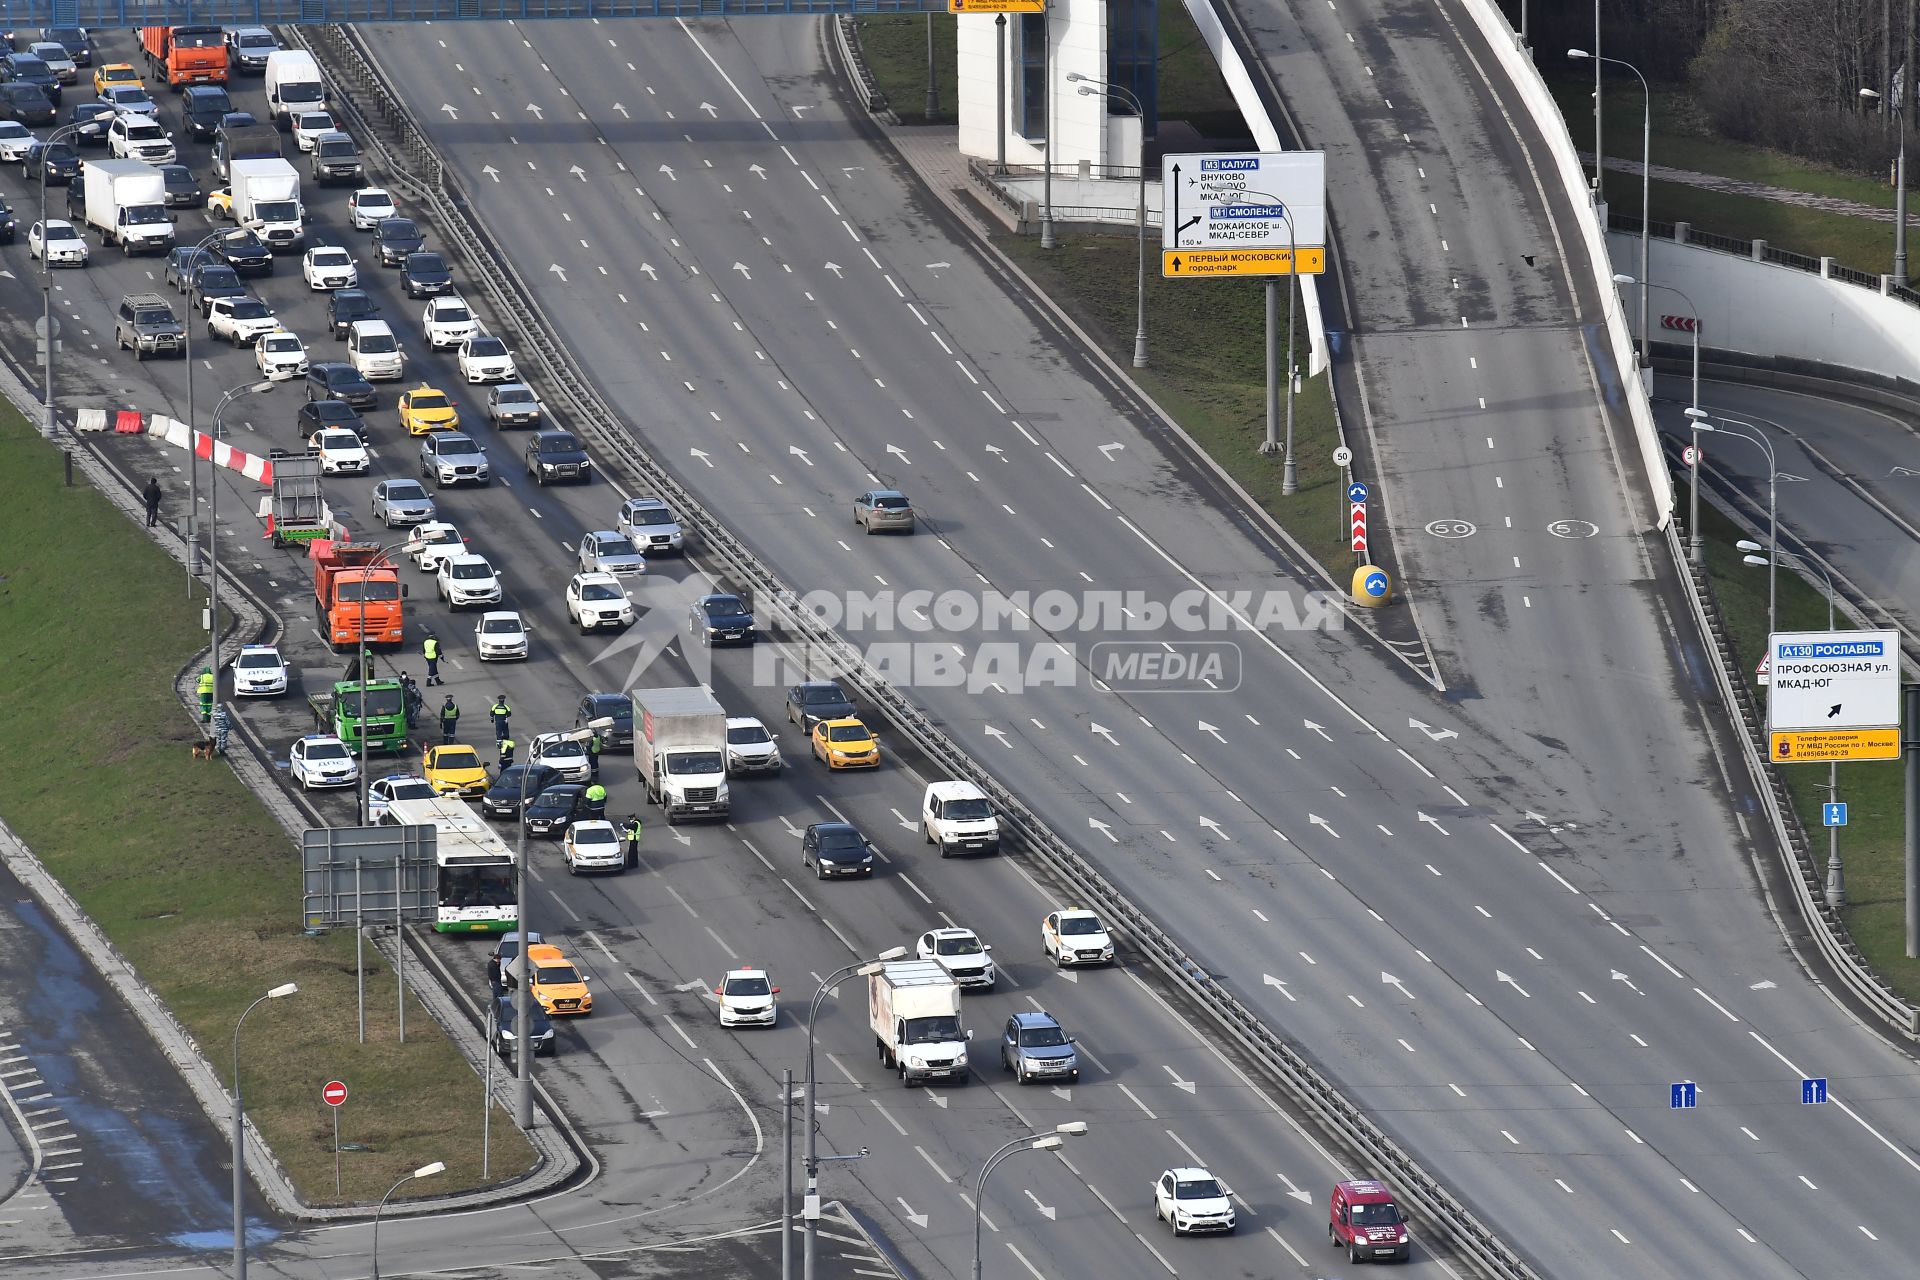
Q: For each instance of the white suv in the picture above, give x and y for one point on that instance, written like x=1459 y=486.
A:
x=959 y=818
x=598 y=600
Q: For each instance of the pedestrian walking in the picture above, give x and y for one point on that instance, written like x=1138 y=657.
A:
x=493 y=972
x=506 y=753
x=413 y=698
x=152 y=494
x=630 y=832
x=593 y=757
x=596 y=801
x=449 y=720
x=500 y=713
x=430 y=650
x=206 y=694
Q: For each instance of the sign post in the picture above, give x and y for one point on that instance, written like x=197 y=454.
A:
x=1833 y=695
x=334 y=1094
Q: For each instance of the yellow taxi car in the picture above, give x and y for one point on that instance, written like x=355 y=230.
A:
x=453 y=769
x=115 y=73
x=220 y=203
x=556 y=983
x=845 y=744
x=426 y=409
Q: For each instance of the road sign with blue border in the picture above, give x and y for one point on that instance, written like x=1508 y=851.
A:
x=1686 y=1095
x=1813 y=1091
x=1356 y=492
x=1834 y=814
x=1376 y=584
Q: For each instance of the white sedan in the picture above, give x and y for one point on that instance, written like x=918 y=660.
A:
x=58 y=241
x=308 y=125
x=746 y=997
x=564 y=752
x=449 y=321
x=341 y=452
x=592 y=844
x=1076 y=937
x=432 y=542
x=484 y=358
x=368 y=207
x=280 y=355
x=15 y=138
x=328 y=266
x=500 y=634
x=598 y=600
x=259 y=672
x=322 y=760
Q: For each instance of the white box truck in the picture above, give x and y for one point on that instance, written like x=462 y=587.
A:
x=914 y=1009
x=266 y=197
x=293 y=85
x=127 y=205
x=680 y=751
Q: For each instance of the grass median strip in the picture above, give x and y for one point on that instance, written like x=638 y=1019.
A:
x=181 y=866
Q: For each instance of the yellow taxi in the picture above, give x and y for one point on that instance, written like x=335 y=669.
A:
x=426 y=409
x=453 y=769
x=846 y=744
x=556 y=983
x=220 y=203
x=115 y=73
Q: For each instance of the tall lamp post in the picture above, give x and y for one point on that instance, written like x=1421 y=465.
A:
x=1088 y=85
x=1751 y=434
x=424 y=1171
x=46 y=277
x=1646 y=175
x=1899 y=177
x=1695 y=552
x=385 y=557
x=193 y=463
x=1026 y=1142
x=240 y=1137
x=256 y=388
x=810 y=1206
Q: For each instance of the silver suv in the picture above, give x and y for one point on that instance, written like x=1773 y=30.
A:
x=649 y=524
x=146 y=325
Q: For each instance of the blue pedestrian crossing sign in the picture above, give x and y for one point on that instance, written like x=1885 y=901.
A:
x=1834 y=814
x=1813 y=1091
x=1686 y=1095
x=1356 y=492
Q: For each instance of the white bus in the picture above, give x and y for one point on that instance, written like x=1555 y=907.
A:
x=476 y=889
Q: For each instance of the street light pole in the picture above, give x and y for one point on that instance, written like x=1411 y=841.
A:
x=46 y=280
x=1046 y=113
x=1646 y=169
x=240 y=1137
x=1088 y=85
x=1773 y=524
x=810 y=1205
x=1025 y=1142
x=193 y=422
x=256 y=388
x=424 y=1171
x=1000 y=94
x=1695 y=549
x=522 y=1049
x=1900 y=162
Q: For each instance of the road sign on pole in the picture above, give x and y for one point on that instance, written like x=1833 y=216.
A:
x=1359 y=523
x=1254 y=213
x=1833 y=695
x=334 y=1094
x=1686 y=1095
x=1833 y=813
x=1813 y=1091
x=1356 y=492
x=1342 y=456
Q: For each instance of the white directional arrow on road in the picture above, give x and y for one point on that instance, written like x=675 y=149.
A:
x=1064 y=1093
x=1433 y=822
x=1277 y=984
x=799 y=453
x=1438 y=735
x=1903 y=471
x=1108 y=450
x=938 y=266
x=1314 y=728
x=1104 y=732
x=1213 y=729
x=1621 y=977
x=711 y=110
x=668 y=170
x=905 y=823
x=538 y=113
x=450 y=109
x=1765 y=984
x=996 y=449
x=936 y=1100
x=901 y=454
x=702 y=455
x=1000 y=734
x=622 y=109
x=788 y=824
x=1214 y=827
x=1046 y=1210
x=578 y=172
x=647 y=269
x=1104 y=829
x=741 y=267
x=1507 y=978
x=917 y=1219
x=1319 y=821
x=491 y=172
x=838 y=272
x=695 y=985
x=683 y=837
x=560 y=271
x=758 y=170
x=1178 y=1083
x=1304 y=1197
x=1387 y=979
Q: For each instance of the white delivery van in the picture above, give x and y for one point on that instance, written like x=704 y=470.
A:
x=293 y=86
x=374 y=351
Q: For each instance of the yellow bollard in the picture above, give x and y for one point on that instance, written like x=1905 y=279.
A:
x=1372 y=587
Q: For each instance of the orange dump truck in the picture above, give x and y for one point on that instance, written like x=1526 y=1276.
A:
x=186 y=55
x=352 y=580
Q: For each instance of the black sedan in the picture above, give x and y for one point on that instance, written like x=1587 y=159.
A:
x=395 y=238
x=556 y=808
x=213 y=280
x=617 y=707
x=721 y=619
x=61 y=162
x=425 y=275
x=331 y=380
x=320 y=415
x=94 y=118
x=180 y=265
x=816 y=700
x=517 y=781
x=183 y=189
x=9 y=225
x=836 y=849
x=245 y=252
x=27 y=103
x=344 y=306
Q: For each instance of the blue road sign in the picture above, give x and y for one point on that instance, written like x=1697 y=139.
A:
x=1686 y=1094
x=1813 y=1091
x=1356 y=492
x=1834 y=814
x=1375 y=585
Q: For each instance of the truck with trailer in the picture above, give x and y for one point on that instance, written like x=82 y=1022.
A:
x=126 y=202
x=186 y=55
x=680 y=751
x=913 y=1007
x=243 y=142
x=352 y=581
x=266 y=197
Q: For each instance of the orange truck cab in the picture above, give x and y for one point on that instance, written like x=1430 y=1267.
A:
x=1364 y=1218
x=351 y=580
x=186 y=55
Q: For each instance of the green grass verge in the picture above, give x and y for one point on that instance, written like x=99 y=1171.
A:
x=1859 y=243
x=1207 y=367
x=181 y=866
x=1872 y=842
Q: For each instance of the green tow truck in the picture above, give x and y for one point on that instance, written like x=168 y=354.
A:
x=385 y=720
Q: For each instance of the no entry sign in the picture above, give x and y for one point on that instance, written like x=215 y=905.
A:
x=335 y=1093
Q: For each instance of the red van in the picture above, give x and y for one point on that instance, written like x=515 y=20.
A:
x=1363 y=1217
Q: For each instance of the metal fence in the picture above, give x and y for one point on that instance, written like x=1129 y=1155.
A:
x=1759 y=251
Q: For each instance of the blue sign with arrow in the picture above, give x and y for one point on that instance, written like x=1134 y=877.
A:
x=1686 y=1095
x=1356 y=492
x=1834 y=814
x=1813 y=1091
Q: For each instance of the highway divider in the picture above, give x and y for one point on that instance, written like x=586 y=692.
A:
x=382 y=122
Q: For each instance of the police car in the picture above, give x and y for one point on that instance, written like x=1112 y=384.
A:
x=322 y=760
x=746 y=998
x=259 y=672
x=395 y=786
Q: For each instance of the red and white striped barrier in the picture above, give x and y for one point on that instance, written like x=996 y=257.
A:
x=207 y=449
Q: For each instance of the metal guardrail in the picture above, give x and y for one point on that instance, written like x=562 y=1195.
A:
x=354 y=66
x=1629 y=224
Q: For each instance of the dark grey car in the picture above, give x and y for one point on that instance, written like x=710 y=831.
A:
x=332 y=380
x=810 y=703
x=836 y=849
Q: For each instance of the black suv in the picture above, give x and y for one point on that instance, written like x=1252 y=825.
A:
x=203 y=106
x=331 y=380
x=617 y=707
x=77 y=200
x=183 y=189
x=146 y=326
x=344 y=306
x=556 y=455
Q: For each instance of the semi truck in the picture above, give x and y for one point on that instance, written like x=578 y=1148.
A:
x=352 y=580
x=126 y=202
x=680 y=751
x=299 y=510
x=186 y=55
x=383 y=720
x=913 y=1007
x=266 y=197
x=243 y=142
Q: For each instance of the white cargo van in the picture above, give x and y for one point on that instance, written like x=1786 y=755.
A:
x=374 y=351
x=293 y=86
x=959 y=818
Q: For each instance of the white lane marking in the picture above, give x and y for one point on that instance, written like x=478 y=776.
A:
x=1282 y=1242
x=1131 y=1097
x=889 y=1117
x=1856 y=1116
x=934 y=1165
x=1715 y=1003
x=678 y=1031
